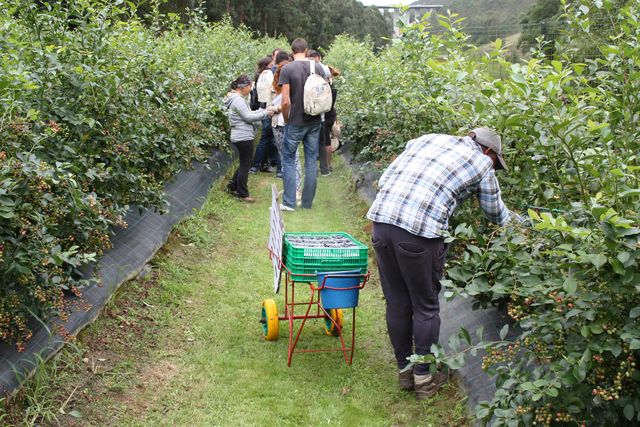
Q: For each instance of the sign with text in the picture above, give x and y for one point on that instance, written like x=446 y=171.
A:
x=276 y=235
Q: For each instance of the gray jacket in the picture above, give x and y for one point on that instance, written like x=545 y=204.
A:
x=241 y=118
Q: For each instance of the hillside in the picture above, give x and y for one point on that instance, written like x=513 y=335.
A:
x=487 y=19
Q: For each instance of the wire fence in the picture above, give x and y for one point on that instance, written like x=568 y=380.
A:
x=550 y=38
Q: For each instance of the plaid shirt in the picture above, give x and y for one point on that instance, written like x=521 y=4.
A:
x=421 y=188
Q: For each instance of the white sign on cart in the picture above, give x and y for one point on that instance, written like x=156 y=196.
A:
x=276 y=235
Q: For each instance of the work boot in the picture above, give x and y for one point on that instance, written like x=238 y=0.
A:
x=427 y=385
x=247 y=199
x=405 y=377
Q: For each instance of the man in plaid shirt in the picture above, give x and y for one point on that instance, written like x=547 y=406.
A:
x=418 y=193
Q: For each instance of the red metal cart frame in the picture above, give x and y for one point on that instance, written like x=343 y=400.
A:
x=332 y=317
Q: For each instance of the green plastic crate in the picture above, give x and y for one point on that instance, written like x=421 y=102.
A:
x=301 y=259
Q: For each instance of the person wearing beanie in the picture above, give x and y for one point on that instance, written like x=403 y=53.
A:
x=418 y=193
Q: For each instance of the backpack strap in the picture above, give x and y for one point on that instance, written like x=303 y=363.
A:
x=312 y=66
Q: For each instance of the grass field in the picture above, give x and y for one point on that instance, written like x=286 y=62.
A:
x=183 y=346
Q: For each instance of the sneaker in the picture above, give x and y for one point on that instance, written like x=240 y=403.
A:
x=247 y=199
x=406 y=379
x=267 y=169
x=427 y=385
x=253 y=170
x=326 y=173
x=278 y=174
x=286 y=208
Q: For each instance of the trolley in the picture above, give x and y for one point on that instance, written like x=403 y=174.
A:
x=334 y=277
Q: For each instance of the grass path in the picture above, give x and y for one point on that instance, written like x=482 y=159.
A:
x=183 y=346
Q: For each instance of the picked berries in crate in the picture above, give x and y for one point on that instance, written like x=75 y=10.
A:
x=309 y=253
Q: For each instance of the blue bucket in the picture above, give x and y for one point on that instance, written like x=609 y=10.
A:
x=337 y=298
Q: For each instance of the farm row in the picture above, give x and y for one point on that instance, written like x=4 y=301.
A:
x=97 y=110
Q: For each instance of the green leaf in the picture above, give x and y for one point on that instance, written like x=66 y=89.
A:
x=482 y=413
x=598 y=260
x=628 y=411
x=504 y=331
x=465 y=336
x=628 y=193
x=624 y=256
x=518 y=78
x=553 y=392
x=570 y=286
x=540 y=383
x=75 y=414
x=635 y=312
x=528 y=386
x=474 y=249
x=454 y=342
x=615 y=349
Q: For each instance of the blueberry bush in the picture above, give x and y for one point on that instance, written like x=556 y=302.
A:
x=569 y=277
x=98 y=108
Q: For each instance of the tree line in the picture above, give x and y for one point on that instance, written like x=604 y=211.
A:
x=318 y=21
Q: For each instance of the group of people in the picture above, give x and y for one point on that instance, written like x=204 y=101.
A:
x=418 y=193
x=277 y=104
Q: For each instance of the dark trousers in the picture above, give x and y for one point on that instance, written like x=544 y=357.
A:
x=266 y=151
x=410 y=269
x=325 y=141
x=239 y=181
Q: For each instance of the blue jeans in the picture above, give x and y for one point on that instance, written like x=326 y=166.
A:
x=309 y=135
x=265 y=145
x=279 y=134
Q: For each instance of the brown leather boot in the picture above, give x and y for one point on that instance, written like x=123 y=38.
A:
x=427 y=385
x=406 y=379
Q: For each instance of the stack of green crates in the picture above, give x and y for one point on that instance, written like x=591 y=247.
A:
x=302 y=259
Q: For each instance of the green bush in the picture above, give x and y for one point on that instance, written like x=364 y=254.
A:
x=569 y=280
x=97 y=111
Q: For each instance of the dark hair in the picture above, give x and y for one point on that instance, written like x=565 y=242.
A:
x=242 y=81
x=275 y=52
x=313 y=54
x=282 y=56
x=263 y=64
x=299 y=46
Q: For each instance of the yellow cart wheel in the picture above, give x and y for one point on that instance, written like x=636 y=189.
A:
x=329 y=327
x=269 y=320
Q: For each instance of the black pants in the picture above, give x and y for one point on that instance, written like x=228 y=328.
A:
x=325 y=141
x=239 y=181
x=410 y=269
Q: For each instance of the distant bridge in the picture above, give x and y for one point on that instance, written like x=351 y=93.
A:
x=408 y=14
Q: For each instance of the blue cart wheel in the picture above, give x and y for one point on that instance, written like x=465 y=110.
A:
x=269 y=320
x=329 y=327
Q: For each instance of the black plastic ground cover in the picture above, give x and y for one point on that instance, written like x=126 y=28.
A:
x=132 y=248
x=453 y=314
